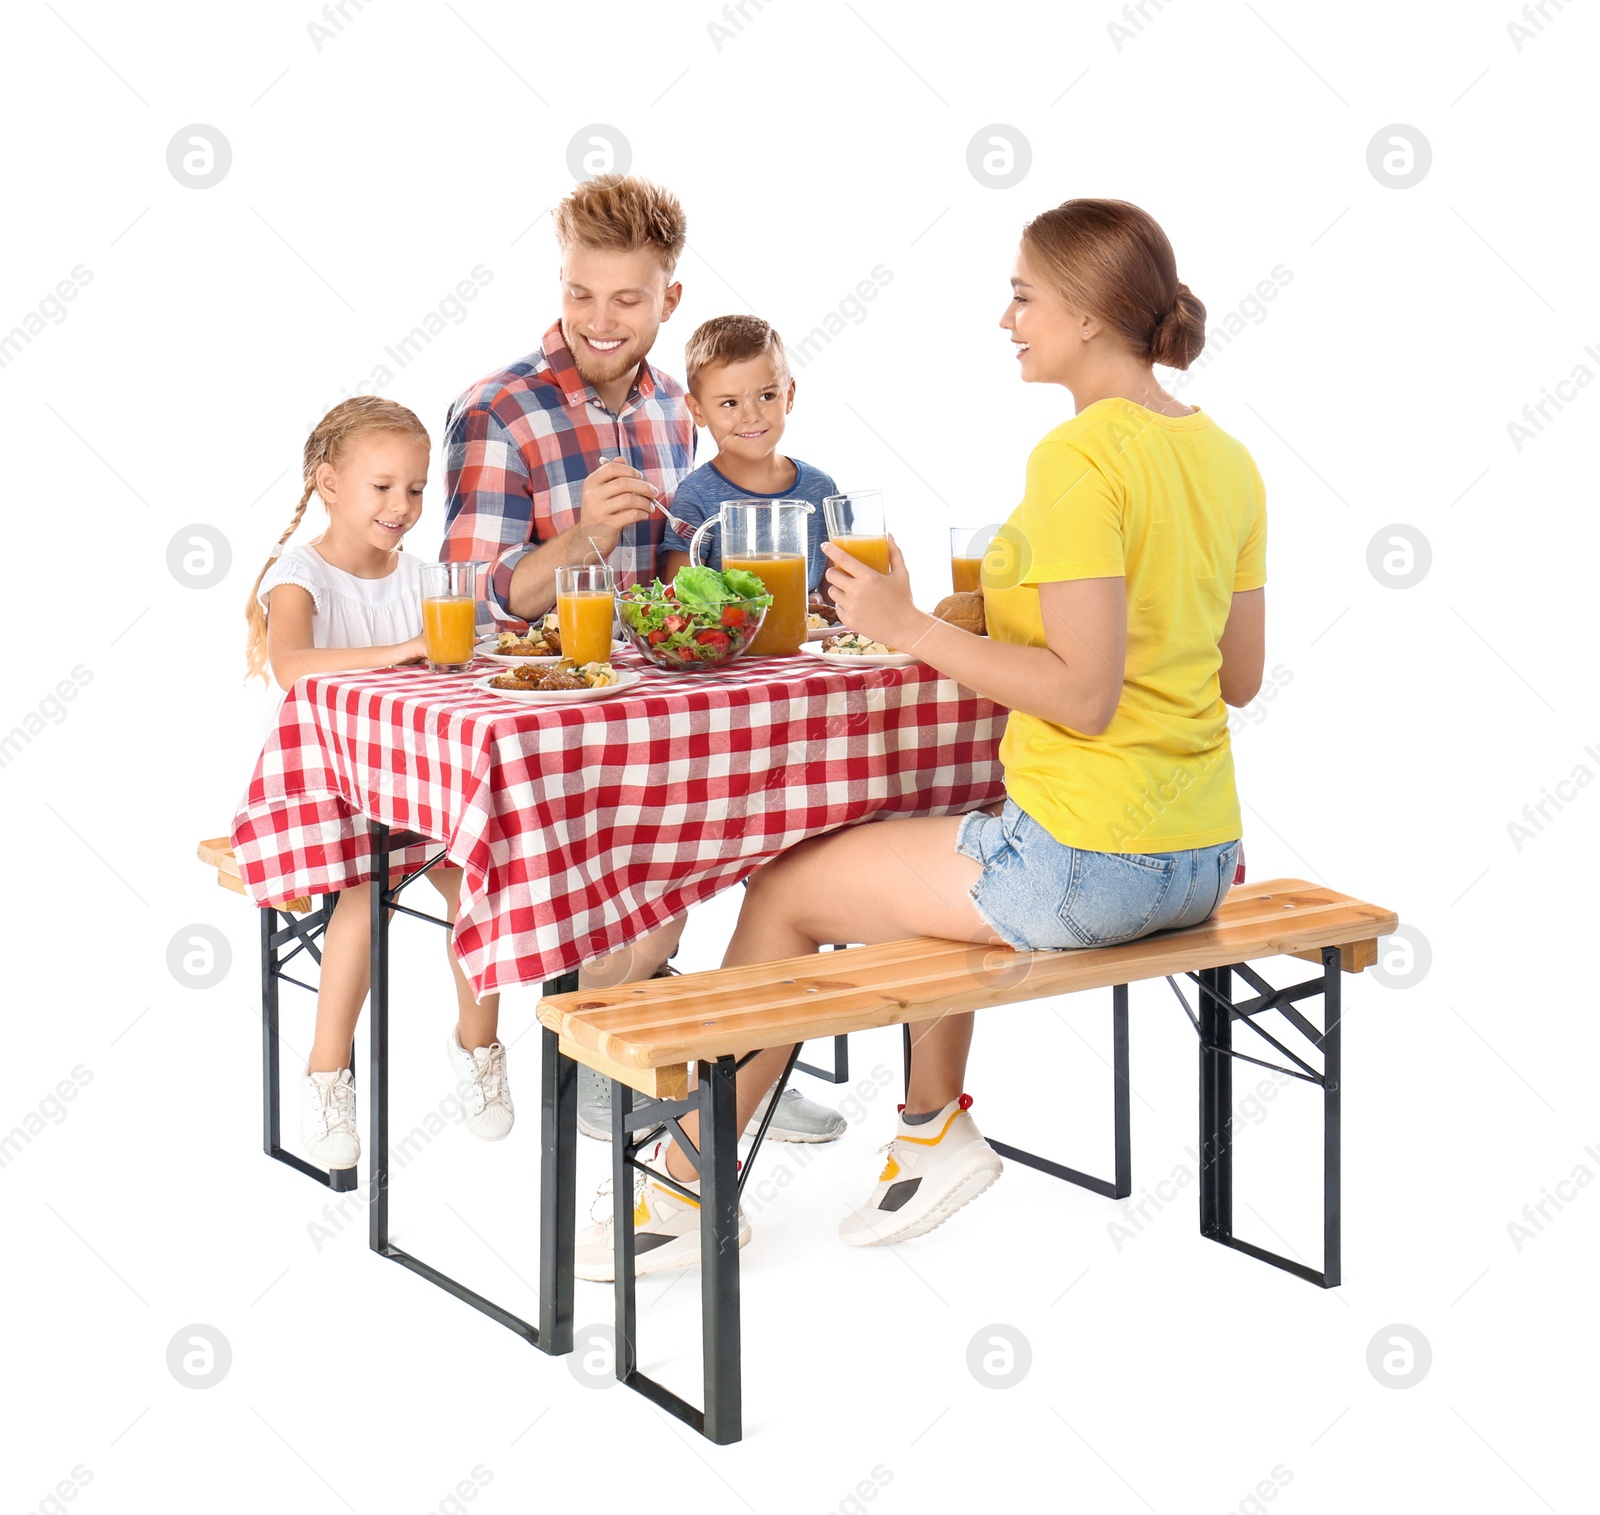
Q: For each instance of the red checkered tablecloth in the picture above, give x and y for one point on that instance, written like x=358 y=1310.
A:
x=580 y=827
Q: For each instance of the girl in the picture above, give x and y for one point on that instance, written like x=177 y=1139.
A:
x=347 y=600
x=1125 y=612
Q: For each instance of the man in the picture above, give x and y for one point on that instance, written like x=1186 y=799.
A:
x=566 y=452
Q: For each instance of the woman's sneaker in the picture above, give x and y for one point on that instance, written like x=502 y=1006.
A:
x=933 y=1170
x=666 y=1231
x=489 y=1113
x=328 y=1119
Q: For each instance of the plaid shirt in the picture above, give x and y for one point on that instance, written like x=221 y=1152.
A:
x=519 y=445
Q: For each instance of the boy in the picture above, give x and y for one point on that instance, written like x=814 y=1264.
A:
x=740 y=390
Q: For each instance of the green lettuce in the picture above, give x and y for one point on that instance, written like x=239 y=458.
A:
x=744 y=585
x=699 y=588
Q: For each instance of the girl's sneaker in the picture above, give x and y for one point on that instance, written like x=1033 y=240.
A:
x=328 y=1119
x=933 y=1170
x=490 y=1115
x=666 y=1231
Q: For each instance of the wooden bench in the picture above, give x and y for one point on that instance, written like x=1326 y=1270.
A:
x=645 y=1037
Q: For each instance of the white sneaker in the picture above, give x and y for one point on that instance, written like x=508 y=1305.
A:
x=933 y=1170
x=328 y=1119
x=666 y=1231
x=490 y=1115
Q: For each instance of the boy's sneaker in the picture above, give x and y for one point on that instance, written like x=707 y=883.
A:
x=594 y=1106
x=933 y=1170
x=797 y=1119
x=666 y=1231
x=490 y=1115
x=328 y=1119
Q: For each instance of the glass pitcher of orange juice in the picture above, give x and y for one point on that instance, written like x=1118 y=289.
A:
x=769 y=539
x=450 y=614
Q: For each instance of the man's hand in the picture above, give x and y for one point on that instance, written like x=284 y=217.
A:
x=615 y=495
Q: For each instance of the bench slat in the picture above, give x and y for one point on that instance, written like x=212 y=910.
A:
x=216 y=852
x=902 y=969
x=670 y=1022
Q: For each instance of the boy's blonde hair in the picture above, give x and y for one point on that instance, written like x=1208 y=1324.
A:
x=732 y=339
x=330 y=439
x=620 y=213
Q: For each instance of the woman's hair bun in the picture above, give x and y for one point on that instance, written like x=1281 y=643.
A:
x=1181 y=332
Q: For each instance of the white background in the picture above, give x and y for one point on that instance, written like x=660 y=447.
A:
x=372 y=172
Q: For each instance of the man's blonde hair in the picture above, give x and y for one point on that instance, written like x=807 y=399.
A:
x=732 y=339
x=622 y=214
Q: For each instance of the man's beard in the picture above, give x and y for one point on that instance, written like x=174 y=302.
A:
x=614 y=365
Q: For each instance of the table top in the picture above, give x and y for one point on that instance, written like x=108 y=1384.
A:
x=581 y=827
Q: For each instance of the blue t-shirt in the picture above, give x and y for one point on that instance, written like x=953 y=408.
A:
x=700 y=494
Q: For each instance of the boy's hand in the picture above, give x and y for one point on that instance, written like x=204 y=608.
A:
x=878 y=605
x=615 y=495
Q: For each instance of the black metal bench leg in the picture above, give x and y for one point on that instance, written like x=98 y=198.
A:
x=1121 y=1094
x=1332 y=990
x=839 y=1073
x=622 y=1235
x=558 y=1182
x=1121 y=1185
x=270 y=1053
x=1216 y=1104
x=273 y=939
x=719 y=1251
x=1214 y=1019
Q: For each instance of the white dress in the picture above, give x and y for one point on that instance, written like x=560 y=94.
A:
x=350 y=611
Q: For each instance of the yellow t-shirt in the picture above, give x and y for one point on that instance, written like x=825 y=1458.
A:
x=1175 y=507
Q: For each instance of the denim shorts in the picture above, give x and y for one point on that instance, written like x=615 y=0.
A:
x=1037 y=893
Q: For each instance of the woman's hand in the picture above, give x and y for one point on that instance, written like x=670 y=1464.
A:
x=878 y=605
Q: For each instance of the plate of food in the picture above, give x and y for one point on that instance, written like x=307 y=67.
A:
x=558 y=683
x=540 y=643
x=850 y=647
x=822 y=620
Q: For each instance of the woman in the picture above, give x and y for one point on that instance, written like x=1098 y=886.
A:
x=1125 y=609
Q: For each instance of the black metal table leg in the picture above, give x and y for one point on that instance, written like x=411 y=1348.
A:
x=719 y=1250
x=378 y=1048
x=559 y=1109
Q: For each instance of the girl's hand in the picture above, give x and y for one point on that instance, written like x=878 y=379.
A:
x=878 y=605
x=414 y=651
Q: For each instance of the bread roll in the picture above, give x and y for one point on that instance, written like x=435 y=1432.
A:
x=963 y=610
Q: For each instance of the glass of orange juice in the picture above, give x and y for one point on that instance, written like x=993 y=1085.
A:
x=855 y=523
x=585 y=608
x=450 y=614
x=968 y=545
